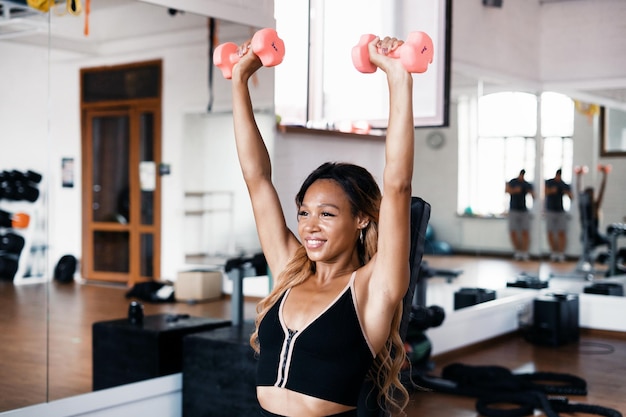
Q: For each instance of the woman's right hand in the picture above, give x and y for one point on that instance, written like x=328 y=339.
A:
x=380 y=50
x=248 y=63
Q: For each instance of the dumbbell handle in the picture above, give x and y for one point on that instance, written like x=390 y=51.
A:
x=265 y=44
x=416 y=53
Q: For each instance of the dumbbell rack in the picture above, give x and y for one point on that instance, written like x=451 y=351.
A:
x=33 y=256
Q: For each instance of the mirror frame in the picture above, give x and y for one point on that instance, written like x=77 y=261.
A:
x=609 y=130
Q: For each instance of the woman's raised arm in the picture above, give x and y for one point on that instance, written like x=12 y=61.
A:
x=390 y=276
x=277 y=241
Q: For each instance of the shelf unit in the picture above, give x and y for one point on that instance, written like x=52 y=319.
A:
x=209 y=224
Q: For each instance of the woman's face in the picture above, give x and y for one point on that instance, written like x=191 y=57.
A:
x=326 y=226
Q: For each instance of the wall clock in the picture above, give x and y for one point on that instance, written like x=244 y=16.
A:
x=435 y=140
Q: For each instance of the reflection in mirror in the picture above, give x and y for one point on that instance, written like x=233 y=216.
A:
x=613 y=131
x=24 y=122
x=46 y=346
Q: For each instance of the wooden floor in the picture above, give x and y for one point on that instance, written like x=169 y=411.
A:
x=40 y=362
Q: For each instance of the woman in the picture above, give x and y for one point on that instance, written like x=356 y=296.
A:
x=591 y=206
x=332 y=318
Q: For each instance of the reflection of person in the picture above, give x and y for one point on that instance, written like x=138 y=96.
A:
x=591 y=223
x=519 y=216
x=556 y=217
x=332 y=318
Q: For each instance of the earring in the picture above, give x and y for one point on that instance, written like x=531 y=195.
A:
x=361 y=236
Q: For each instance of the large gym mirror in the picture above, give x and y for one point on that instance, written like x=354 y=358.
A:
x=45 y=340
x=24 y=117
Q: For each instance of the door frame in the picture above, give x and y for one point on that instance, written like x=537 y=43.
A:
x=134 y=108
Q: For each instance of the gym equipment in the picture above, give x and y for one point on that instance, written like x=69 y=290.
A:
x=265 y=44
x=432 y=246
x=525 y=280
x=605 y=288
x=14 y=221
x=11 y=243
x=65 y=268
x=497 y=386
x=615 y=230
x=8 y=266
x=417 y=345
x=416 y=53
x=19 y=186
x=555 y=320
x=466 y=297
x=238 y=266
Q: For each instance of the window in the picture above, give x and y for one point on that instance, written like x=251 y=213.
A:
x=317 y=85
x=506 y=142
x=557 y=129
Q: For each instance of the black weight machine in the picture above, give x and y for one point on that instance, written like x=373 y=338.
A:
x=616 y=256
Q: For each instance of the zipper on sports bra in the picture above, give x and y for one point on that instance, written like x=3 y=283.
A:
x=283 y=366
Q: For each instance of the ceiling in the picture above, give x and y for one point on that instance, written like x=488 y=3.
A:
x=24 y=25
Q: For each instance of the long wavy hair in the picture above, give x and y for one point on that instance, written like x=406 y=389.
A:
x=364 y=196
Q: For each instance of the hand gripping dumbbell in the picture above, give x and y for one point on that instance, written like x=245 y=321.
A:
x=581 y=169
x=415 y=53
x=265 y=44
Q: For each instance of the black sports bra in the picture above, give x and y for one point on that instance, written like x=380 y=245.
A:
x=327 y=359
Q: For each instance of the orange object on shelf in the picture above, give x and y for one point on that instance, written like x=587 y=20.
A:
x=20 y=220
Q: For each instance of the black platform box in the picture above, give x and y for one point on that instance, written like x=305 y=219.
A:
x=466 y=297
x=124 y=352
x=605 y=288
x=219 y=373
x=555 y=319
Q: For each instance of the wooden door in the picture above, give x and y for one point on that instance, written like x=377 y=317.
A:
x=121 y=234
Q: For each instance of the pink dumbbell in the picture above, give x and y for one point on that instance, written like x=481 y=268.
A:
x=415 y=53
x=265 y=44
